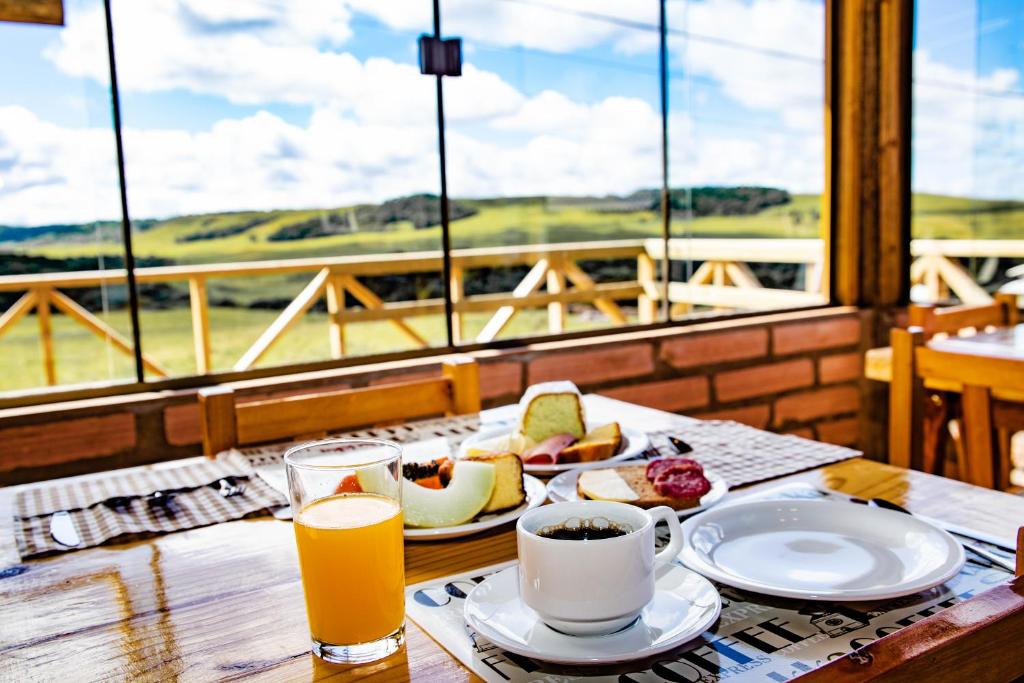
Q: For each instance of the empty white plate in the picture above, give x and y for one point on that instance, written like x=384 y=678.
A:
x=634 y=442
x=819 y=550
x=563 y=488
x=684 y=606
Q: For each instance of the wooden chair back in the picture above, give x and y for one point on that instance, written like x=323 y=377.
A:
x=951 y=319
x=228 y=424
x=974 y=640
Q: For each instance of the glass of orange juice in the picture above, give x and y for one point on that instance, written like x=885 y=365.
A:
x=347 y=510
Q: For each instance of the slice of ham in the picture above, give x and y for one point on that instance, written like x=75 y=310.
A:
x=546 y=452
x=681 y=482
x=656 y=467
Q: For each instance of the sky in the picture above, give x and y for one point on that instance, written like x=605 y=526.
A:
x=265 y=104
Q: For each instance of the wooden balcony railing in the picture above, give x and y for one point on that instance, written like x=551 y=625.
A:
x=724 y=280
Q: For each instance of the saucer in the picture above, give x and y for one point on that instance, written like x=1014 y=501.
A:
x=685 y=605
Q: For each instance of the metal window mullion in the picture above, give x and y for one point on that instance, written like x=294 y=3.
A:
x=446 y=244
x=666 y=212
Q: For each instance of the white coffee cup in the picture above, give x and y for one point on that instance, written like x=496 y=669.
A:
x=598 y=586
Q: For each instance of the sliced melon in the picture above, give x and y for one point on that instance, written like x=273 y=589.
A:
x=465 y=496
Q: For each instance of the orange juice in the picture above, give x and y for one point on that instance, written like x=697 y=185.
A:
x=353 y=569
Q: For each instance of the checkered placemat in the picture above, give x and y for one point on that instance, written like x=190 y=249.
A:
x=96 y=523
x=744 y=455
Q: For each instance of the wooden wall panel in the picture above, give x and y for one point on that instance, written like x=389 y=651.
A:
x=33 y=11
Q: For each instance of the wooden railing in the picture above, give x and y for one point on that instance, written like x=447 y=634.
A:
x=555 y=279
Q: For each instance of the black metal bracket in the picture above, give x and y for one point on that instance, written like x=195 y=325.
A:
x=440 y=57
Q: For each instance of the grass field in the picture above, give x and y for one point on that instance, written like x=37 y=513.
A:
x=167 y=334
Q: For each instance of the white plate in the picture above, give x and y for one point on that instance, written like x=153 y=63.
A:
x=634 y=442
x=685 y=605
x=819 y=550
x=536 y=494
x=563 y=489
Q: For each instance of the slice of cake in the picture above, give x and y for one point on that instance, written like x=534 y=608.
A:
x=551 y=408
x=599 y=444
x=509 y=491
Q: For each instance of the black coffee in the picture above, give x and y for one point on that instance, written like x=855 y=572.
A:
x=584 y=530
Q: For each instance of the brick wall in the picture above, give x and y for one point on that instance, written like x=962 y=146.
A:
x=796 y=372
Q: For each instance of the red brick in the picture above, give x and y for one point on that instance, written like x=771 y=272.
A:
x=761 y=380
x=501 y=379
x=693 y=350
x=51 y=443
x=755 y=416
x=844 y=432
x=841 y=367
x=181 y=424
x=593 y=367
x=805 y=432
x=811 y=405
x=672 y=394
x=817 y=334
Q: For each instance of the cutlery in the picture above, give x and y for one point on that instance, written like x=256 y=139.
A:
x=229 y=486
x=992 y=558
x=62 y=529
x=682 y=448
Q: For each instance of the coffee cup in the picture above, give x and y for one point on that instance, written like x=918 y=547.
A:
x=598 y=585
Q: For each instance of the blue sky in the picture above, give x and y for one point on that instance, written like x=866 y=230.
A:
x=232 y=105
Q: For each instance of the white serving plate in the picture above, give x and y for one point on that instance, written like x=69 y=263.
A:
x=634 y=442
x=819 y=550
x=562 y=488
x=685 y=605
x=536 y=494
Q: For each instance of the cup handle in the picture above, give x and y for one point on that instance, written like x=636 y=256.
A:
x=675 y=543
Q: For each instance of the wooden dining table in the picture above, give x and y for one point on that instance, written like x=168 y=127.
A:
x=225 y=601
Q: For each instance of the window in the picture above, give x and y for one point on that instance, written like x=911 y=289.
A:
x=968 y=150
x=283 y=179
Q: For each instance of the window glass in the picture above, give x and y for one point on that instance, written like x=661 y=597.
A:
x=60 y=210
x=968 y=150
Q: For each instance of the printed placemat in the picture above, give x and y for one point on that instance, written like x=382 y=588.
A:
x=757 y=637
x=197 y=501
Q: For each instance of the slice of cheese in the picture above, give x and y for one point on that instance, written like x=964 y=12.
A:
x=605 y=485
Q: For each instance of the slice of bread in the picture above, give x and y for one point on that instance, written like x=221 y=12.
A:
x=509 y=490
x=551 y=408
x=636 y=477
x=599 y=444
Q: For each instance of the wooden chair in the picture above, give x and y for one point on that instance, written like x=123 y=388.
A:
x=226 y=424
x=917 y=418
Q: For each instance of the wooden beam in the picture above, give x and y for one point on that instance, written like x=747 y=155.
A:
x=42 y=296
x=740 y=297
x=103 y=330
x=741 y=275
x=585 y=283
x=557 y=310
x=962 y=283
x=458 y=290
x=33 y=11
x=17 y=310
x=289 y=316
x=200 y=323
x=336 y=316
x=367 y=298
x=749 y=250
x=528 y=285
x=464 y=375
x=646 y=275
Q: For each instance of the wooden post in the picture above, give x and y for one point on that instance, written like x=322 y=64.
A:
x=458 y=289
x=646 y=275
x=336 y=315
x=464 y=375
x=1009 y=302
x=217 y=419
x=200 y=323
x=46 y=335
x=906 y=399
x=557 y=310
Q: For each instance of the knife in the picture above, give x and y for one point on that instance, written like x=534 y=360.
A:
x=62 y=529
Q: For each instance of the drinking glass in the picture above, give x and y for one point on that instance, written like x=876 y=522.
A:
x=347 y=511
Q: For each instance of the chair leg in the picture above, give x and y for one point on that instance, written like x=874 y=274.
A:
x=933 y=442
x=979 y=463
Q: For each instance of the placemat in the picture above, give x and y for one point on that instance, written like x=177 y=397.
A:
x=757 y=637
x=200 y=504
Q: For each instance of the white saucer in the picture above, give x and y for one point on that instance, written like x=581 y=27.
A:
x=819 y=550
x=634 y=442
x=685 y=605
x=562 y=489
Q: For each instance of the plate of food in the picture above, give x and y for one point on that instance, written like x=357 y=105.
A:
x=552 y=434
x=680 y=483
